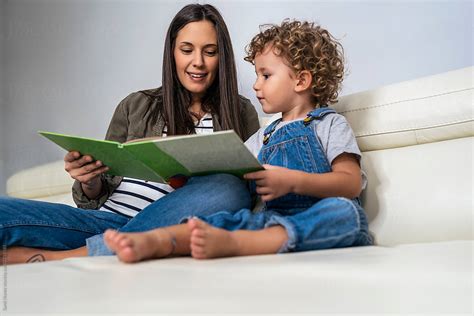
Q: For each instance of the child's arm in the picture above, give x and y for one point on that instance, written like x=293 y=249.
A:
x=344 y=180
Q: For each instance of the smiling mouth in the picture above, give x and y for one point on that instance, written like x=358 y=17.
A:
x=197 y=76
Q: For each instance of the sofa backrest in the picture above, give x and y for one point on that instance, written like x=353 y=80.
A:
x=417 y=143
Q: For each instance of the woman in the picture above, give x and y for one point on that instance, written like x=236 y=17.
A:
x=199 y=94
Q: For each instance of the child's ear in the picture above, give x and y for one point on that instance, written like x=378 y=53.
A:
x=303 y=81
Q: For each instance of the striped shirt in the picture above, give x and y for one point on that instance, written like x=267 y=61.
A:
x=133 y=195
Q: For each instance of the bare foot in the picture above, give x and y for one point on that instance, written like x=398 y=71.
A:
x=134 y=247
x=211 y=242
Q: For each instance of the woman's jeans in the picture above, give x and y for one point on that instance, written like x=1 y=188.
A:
x=46 y=225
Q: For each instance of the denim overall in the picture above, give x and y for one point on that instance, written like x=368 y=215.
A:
x=311 y=223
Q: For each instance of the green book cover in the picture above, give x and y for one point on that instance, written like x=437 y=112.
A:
x=159 y=159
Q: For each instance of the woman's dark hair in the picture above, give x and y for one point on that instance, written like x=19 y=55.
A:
x=222 y=96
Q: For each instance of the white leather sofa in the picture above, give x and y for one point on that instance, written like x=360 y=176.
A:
x=417 y=143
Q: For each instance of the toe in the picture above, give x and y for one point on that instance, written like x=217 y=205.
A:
x=198 y=253
x=200 y=223
x=127 y=255
x=197 y=240
x=192 y=223
x=109 y=234
x=124 y=241
x=198 y=232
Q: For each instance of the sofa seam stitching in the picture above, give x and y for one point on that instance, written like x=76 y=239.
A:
x=406 y=100
x=407 y=129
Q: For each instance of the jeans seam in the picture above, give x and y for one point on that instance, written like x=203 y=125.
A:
x=46 y=224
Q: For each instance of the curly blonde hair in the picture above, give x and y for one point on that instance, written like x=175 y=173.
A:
x=305 y=46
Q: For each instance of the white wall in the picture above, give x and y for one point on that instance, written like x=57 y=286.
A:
x=69 y=63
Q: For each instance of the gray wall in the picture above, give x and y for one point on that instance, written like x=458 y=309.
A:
x=69 y=63
x=2 y=99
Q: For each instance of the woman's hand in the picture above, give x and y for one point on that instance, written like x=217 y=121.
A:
x=273 y=182
x=85 y=170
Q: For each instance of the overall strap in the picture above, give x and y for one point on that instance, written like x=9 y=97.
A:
x=269 y=130
x=317 y=114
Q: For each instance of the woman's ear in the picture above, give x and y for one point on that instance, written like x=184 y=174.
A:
x=303 y=81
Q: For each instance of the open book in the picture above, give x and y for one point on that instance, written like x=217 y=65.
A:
x=159 y=159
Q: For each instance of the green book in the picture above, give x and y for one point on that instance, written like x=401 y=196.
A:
x=161 y=158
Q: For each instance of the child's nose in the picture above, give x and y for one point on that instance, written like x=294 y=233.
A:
x=256 y=86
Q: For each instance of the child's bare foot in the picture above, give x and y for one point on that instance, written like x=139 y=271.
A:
x=211 y=242
x=134 y=247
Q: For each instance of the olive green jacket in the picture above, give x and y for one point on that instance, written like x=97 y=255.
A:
x=134 y=118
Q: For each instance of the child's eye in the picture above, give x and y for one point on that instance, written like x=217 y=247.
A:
x=266 y=76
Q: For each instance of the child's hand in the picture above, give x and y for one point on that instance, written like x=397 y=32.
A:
x=273 y=182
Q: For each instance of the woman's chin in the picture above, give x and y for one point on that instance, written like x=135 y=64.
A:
x=198 y=91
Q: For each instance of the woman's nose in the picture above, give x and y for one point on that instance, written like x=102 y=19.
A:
x=198 y=60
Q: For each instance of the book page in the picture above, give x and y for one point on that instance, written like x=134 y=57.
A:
x=213 y=153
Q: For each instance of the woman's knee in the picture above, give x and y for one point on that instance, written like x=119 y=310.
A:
x=220 y=179
x=225 y=188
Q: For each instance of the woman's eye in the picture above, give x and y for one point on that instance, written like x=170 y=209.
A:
x=186 y=51
x=211 y=52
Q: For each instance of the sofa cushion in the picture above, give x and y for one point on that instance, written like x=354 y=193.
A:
x=419 y=111
x=420 y=279
x=420 y=193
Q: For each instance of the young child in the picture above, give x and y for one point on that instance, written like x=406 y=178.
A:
x=312 y=177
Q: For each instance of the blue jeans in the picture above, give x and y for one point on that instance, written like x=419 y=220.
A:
x=330 y=223
x=46 y=225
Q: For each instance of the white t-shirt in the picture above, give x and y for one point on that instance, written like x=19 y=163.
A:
x=133 y=195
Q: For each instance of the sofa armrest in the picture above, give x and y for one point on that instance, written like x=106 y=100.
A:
x=48 y=182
